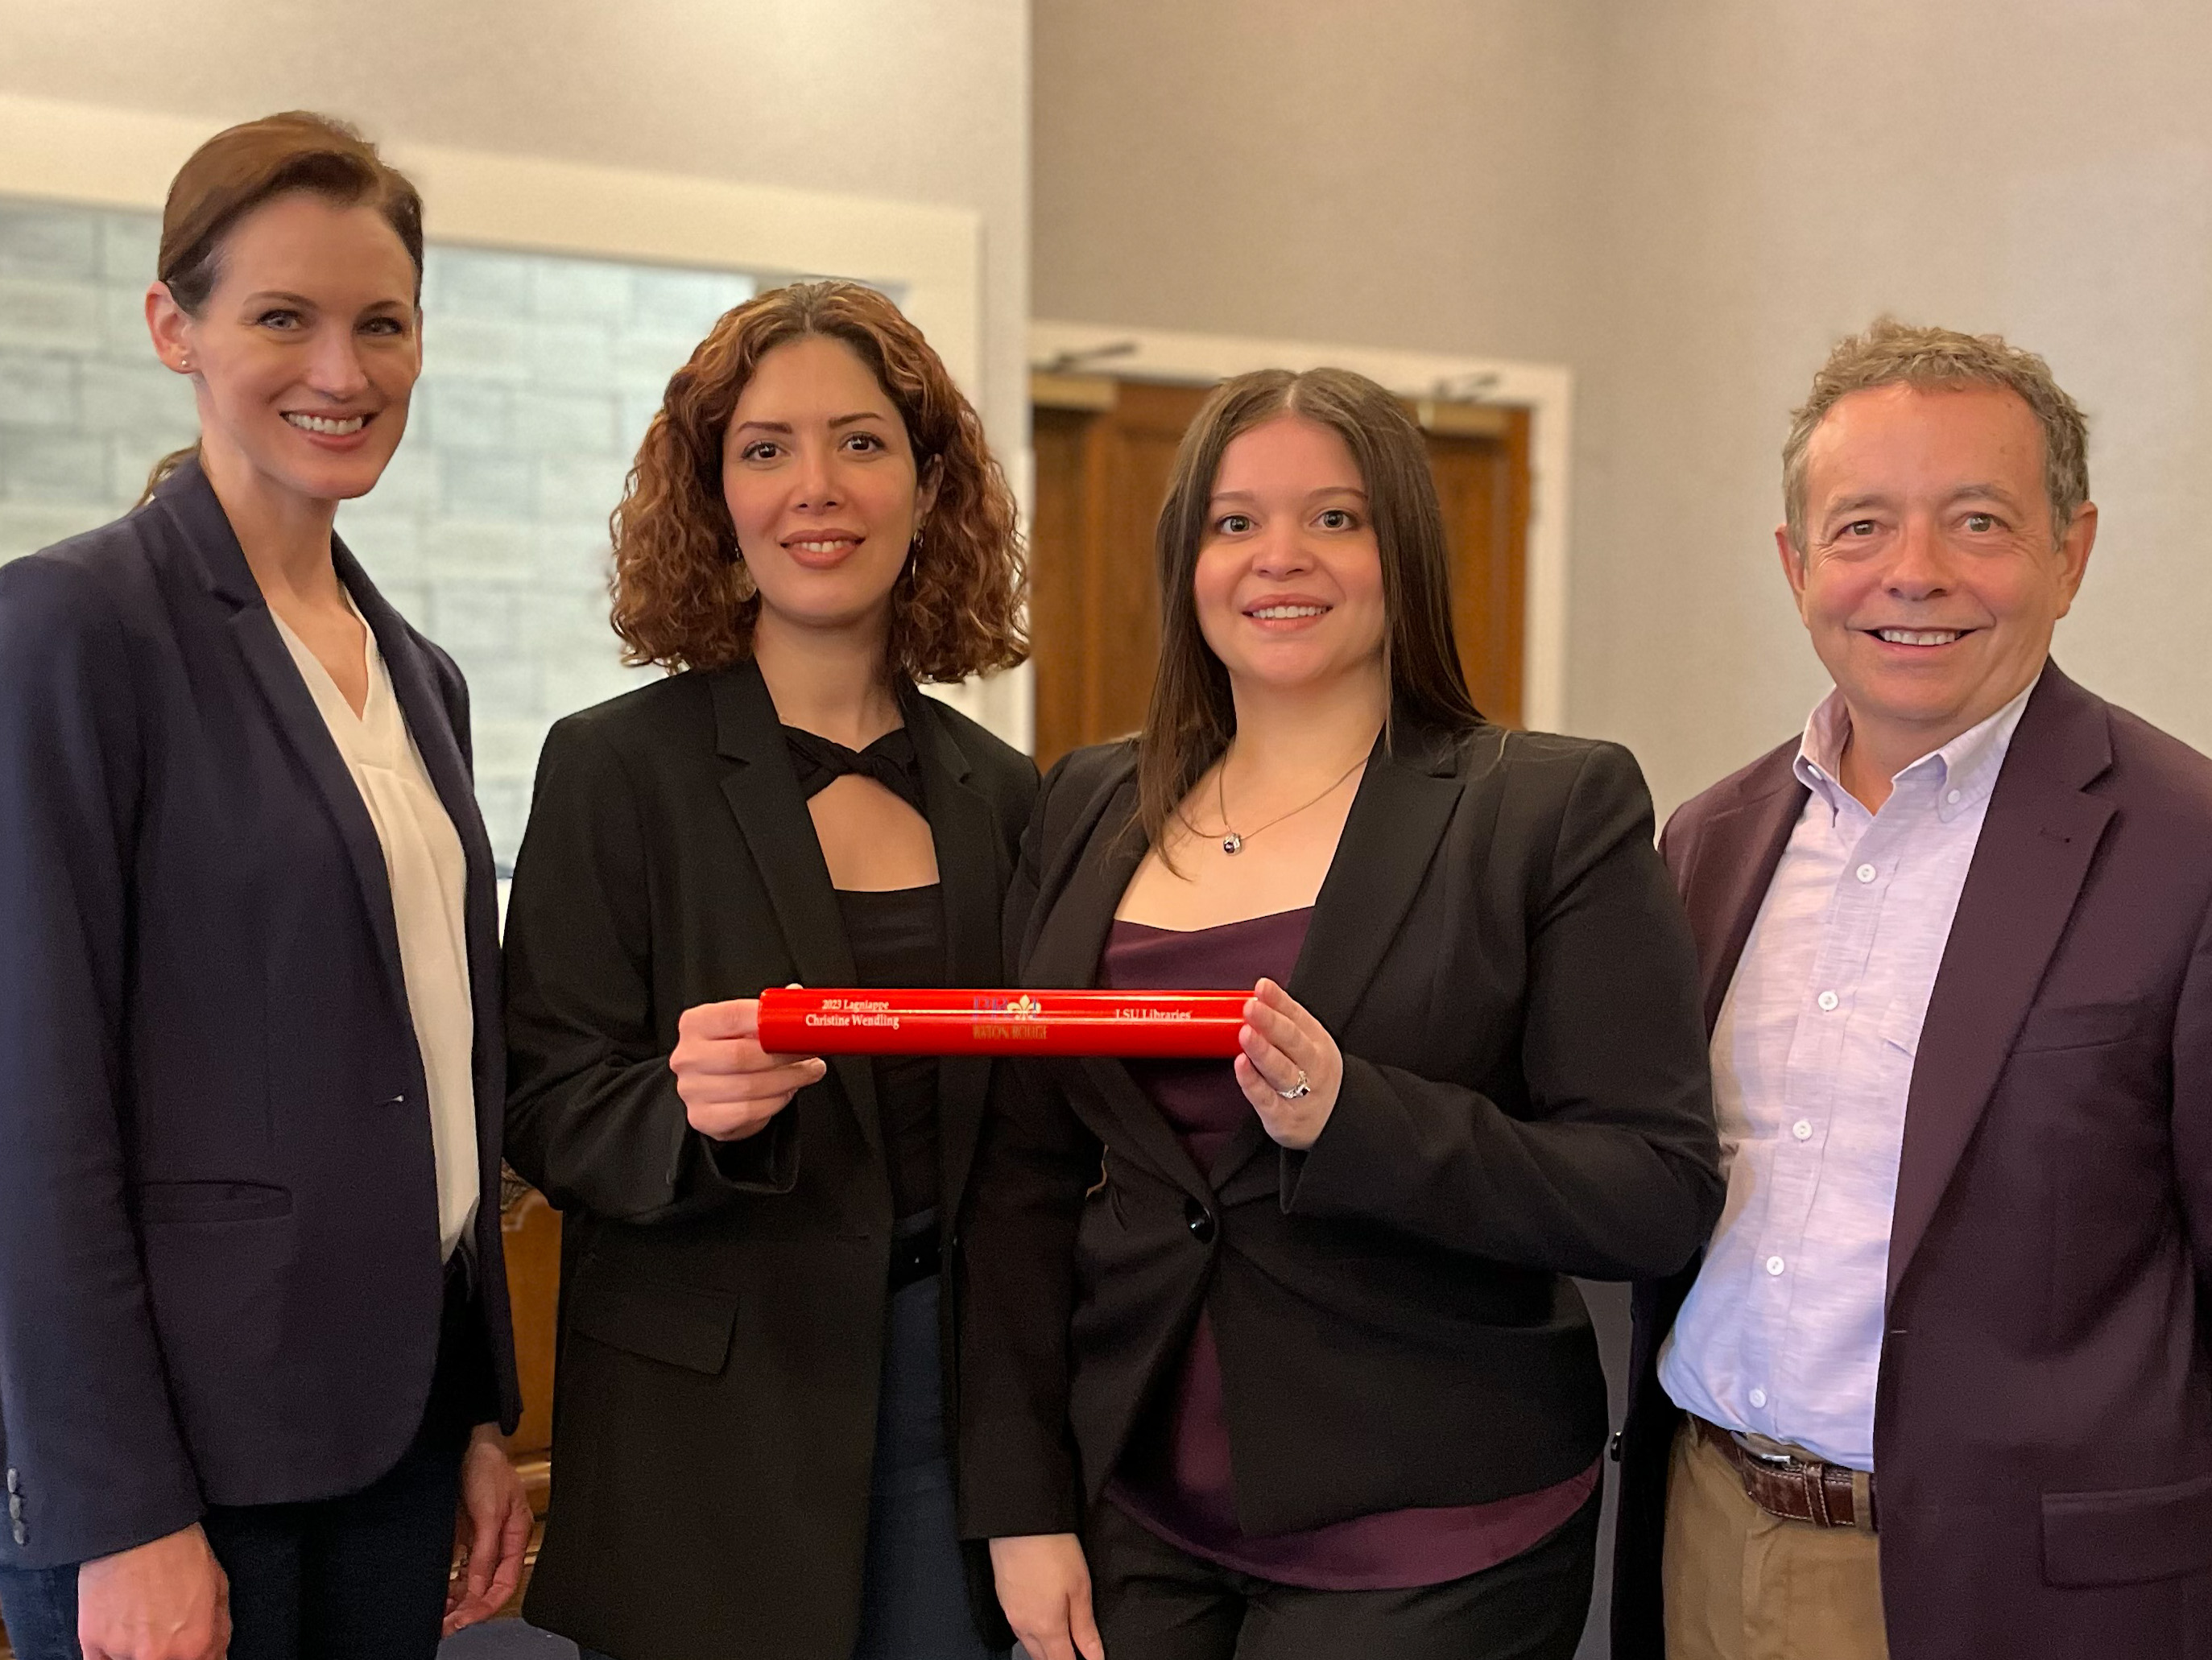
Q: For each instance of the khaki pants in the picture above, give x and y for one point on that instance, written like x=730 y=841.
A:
x=1742 y=1585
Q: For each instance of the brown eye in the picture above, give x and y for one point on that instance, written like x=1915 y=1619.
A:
x=1233 y=524
x=1981 y=523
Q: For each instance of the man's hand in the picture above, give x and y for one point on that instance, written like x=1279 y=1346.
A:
x=491 y=1527
x=165 y=1600
x=1044 y=1586
x=731 y=1086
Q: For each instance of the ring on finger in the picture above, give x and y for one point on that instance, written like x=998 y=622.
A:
x=1298 y=1091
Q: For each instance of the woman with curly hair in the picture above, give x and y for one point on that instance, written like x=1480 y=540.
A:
x=749 y=1440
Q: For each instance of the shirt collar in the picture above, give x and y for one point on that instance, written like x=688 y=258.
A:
x=1955 y=779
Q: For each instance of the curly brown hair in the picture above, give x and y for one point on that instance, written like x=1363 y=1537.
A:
x=681 y=596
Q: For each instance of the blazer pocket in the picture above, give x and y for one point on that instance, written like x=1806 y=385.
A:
x=2128 y=1535
x=662 y=1321
x=2077 y=1026
x=210 y=1202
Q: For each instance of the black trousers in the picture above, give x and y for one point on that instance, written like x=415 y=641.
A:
x=1155 y=1601
x=360 y=1576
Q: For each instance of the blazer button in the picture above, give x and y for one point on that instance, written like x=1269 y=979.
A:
x=1200 y=1221
x=22 y=1534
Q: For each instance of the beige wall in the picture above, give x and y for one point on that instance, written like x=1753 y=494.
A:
x=1685 y=203
x=908 y=102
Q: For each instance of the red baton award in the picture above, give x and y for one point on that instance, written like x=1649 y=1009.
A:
x=852 y=1020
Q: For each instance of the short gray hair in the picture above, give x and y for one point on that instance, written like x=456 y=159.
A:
x=1893 y=353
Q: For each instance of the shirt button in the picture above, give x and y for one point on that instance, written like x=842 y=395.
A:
x=1774 y=1265
x=1802 y=1129
x=1759 y=1397
x=1828 y=1000
x=1865 y=873
x=1954 y=796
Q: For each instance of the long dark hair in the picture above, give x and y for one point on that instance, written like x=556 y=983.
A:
x=1192 y=715
x=243 y=166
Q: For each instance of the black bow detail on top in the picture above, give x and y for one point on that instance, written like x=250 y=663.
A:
x=890 y=760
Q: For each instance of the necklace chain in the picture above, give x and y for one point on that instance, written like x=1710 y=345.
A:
x=1232 y=840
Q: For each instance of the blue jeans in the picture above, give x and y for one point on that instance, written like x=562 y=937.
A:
x=913 y=1588
x=39 y=1607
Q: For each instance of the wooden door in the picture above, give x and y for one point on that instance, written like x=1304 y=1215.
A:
x=1103 y=451
x=530 y=1231
x=1104 y=448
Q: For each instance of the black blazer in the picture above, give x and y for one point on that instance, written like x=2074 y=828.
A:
x=1499 y=952
x=219 y=1280
x=722 y=1321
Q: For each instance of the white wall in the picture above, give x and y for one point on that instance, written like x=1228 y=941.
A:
x=1402 y=173
x=1686 y=203
x=1778 y=174
x=907 y=102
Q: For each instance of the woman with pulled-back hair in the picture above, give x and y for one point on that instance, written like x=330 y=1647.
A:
x=254 y=1351
x=750 y=1421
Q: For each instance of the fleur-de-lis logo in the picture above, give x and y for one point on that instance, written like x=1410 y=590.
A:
x=1025 y=1006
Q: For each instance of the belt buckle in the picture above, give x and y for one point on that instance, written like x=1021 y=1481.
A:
x=1777 y=1459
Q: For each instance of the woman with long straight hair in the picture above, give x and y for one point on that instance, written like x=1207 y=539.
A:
x=752 y=1413
x=1277 y=1358
x=254 y=1352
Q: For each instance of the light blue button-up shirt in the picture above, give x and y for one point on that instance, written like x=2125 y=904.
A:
x=1812 y=1062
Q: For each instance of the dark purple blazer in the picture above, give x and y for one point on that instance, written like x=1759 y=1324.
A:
x=2043 y=1419
x=219 y=1280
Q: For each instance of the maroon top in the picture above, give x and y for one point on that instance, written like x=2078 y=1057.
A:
x=1175 y=1478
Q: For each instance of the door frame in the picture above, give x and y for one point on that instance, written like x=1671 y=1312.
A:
x=1544 y=390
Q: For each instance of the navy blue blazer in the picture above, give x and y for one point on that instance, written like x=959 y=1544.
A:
x=220 y=1274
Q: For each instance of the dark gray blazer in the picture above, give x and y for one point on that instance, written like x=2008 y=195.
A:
x=2043 y=1417
x=219 y=1280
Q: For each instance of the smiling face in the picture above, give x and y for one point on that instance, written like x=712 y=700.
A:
x=306 y=350
x=822 y=485
x=1930 y=582
x=1289 y=581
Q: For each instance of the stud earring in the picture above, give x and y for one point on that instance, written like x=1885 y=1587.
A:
x=184 y=365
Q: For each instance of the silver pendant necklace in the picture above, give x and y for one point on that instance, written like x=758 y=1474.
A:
x=1233 y=842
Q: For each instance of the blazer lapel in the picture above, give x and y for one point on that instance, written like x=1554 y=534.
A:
x=972 y=876
x=430 y=724
x=1731 y=868
x=2038 y=839
x=208 y=538
x=1404 y=802
x=1066 y=953
x=763 y=794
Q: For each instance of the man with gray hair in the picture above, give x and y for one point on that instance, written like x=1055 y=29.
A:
x=1940 y=1387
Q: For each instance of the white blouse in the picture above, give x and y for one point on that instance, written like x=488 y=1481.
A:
x=424 y=863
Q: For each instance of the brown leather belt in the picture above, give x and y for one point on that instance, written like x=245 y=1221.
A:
x=1795 y=1489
